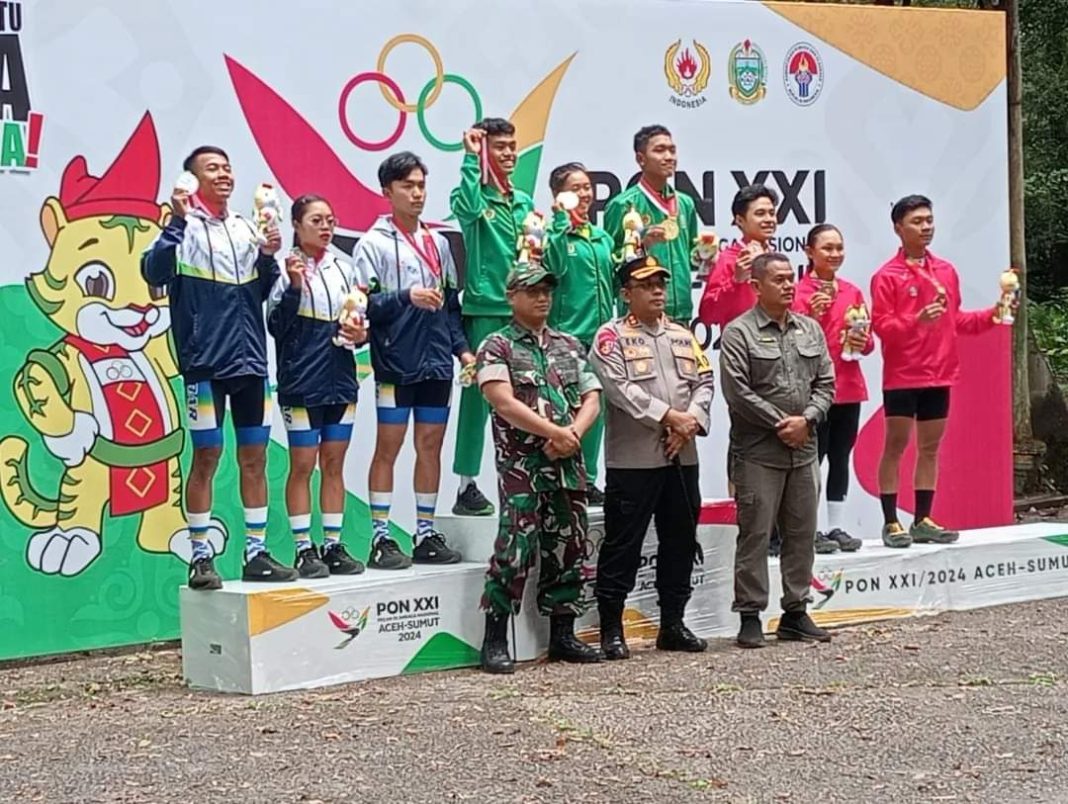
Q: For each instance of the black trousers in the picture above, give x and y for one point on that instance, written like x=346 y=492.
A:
x=836 y=437
x=634 y=497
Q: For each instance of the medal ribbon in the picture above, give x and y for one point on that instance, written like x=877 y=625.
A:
x=491 y=172
x=668 y=205
x=429 y=254
x=928 y=275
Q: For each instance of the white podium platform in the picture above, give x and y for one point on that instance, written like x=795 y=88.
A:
x=987 y=567
x=253 y=638
x=706 y=615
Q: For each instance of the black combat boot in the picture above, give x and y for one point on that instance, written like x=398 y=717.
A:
x=674 y=635
x=613 y=645
x=494 y=656
x=564 y=646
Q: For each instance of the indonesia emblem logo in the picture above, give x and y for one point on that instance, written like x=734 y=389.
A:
x=802 y=73
x=687 y=71
x=747 y=72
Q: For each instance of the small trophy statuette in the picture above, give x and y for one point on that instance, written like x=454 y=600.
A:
x=1009 y=281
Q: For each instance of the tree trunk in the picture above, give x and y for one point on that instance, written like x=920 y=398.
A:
x=1021 y=394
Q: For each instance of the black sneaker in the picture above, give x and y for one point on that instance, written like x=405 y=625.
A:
x=849 y=544
x=202 y=575
x=751 y=632
x=386 y=554
x=825 y=544
x=797 y=626
x=339 y=562
x=264 y=568
x=472 y=502
x=595 y=497
x=309 y=565
x=433 y=550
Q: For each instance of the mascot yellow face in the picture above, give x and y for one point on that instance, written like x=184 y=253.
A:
x=100 y=397
x=92 y=285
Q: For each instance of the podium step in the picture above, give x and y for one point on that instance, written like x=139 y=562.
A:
x=254 y=638
x=257 y=638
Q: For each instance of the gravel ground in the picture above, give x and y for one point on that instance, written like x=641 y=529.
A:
x=960 y=707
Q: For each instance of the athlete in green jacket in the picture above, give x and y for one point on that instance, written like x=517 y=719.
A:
x=579 y=254
x=490 y=213
x=670 y=217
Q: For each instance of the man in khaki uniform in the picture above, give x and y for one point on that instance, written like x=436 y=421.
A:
x=658 y=385
x=778 y=381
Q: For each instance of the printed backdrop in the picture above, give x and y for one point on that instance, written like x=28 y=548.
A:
x=841 y=109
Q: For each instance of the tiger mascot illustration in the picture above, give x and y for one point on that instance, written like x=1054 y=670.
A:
x=100 y=397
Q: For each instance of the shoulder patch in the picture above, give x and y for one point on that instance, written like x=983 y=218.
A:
x=607 y=339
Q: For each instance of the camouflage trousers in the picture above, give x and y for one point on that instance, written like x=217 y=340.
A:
x=550 y=525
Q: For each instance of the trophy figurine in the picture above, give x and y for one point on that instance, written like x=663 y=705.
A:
x=267 y=209
x=353 y=311
x=703 y=254
x=1009 y=281
x=530 y=241
x=633 y=228
x=856 y=320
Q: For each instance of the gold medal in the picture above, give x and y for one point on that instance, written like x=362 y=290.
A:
x=671 y=228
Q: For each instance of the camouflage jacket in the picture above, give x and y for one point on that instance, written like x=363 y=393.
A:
x=549 y=374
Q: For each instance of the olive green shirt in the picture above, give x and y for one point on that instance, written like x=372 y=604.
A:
x=769 y=372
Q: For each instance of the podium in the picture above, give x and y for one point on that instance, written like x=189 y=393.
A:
x=257 y=638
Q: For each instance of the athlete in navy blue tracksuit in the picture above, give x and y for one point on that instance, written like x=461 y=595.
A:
x=317 y=383
x=416 y=331
x=218 y=273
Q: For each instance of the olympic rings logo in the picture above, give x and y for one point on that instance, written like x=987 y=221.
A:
x=393 y=95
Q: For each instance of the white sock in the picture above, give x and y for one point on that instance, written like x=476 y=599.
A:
x=198 y=534
x=424 y=515
x=300 y=524
x=836 y=514
x=255 y=532
x=332 y=524
x=465 y=481
x=198 y=524
x=380 y=502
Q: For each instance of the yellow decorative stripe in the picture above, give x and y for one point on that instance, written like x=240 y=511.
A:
x=315 y=315
x=187 y=269
x=531 y=116
x=854 y=616
x=952 y=56
x=267 y=610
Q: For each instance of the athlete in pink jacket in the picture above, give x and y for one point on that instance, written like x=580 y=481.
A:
x=842 y=312
x=728 y=292
x=916 y=314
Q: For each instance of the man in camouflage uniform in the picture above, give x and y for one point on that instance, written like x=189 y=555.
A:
x=544 y=398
